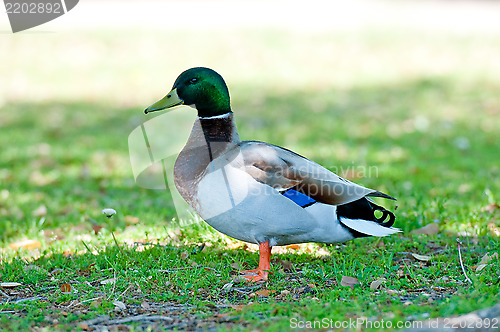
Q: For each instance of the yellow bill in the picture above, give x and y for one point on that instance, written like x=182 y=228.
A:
x=170 y=100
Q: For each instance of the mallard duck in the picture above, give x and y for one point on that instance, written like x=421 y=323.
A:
x=258 y=192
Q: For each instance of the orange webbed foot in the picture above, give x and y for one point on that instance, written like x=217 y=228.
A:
x=262 y=276
x=264 y=264
x=250 y=271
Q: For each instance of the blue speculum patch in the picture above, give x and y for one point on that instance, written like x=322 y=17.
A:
x=299 y=198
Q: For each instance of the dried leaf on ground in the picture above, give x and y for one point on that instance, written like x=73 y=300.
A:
x=427 y=229
x=84 y=326
x=485 y=260
x=184 y=255
x=264 y=292
x=131 y=220
x=349 y=281
x=238 y=307
x=494 y=230
x=40 y=211
x=10 y=284
x=25 y=244
x=66 y=288
x=234 y=245
x=285 y=265
x=375 y=284
x=120 y=305
x=97 y=228
x=108 y=281
x=491 y=207
x=422 y=258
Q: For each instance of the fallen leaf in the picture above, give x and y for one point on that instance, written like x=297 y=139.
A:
x=95 y=303
x=264 y=292
x=120 y=305
x=96 y=228
x=285 y=292
x=131 y=220
x=487 y=258
x=39 y=179
x=429 y=229
x=286 y=265
x=349 y=281
x=66 y=288
x=238 y=307
x=235 y=266
x=480 y=267
x=234 y=245
x=10 y=284
x=376 y=283
x=40 y=211
x=108 y=281
x=422 y=258
x=84 y=326
x=494 y=229
x=67 y=253
x=25 y=244
x=184 y=255
x=491 y=207
x=145 y=305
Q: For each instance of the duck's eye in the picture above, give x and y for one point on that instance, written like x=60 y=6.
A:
x=193 y=80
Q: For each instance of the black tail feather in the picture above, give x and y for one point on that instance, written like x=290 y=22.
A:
x=380 y=194
x=365 y=209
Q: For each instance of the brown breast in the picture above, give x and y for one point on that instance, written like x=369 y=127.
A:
x=209 y=138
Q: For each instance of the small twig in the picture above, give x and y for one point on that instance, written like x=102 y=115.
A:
x=461 y=263
x=114 y=285
x=139 y=318
x=74 y=305
x=33 y=298
x=126 y=290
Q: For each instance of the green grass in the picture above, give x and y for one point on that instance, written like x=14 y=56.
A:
x=425 y=123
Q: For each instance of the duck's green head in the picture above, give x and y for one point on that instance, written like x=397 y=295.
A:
x=199 y=87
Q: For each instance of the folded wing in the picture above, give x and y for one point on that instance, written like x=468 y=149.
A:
x=283 y=169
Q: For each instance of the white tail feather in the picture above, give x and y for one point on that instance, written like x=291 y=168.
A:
x=369 y=227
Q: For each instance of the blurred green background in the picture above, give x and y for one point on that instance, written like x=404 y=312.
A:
x=409 y=88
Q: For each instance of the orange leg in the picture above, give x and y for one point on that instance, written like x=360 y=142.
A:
x=264 y=263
